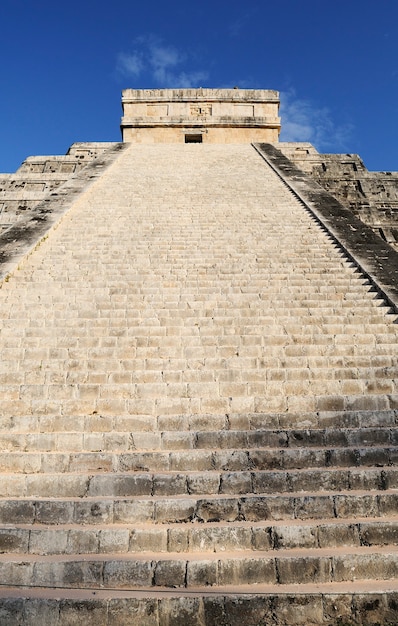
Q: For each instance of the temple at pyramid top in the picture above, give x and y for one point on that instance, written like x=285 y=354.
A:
x=200 y=115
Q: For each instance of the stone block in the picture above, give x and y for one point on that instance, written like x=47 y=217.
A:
x=48 y=541
x=12 y=612
x=294 y=537
x=56 y=486
x=266 y=459
x=356 y=505
x=272 y=508
x=170 y=484
x=236 y=483
x=270 y=482
x=120 y=485
x=299 y=610
x=91 y=512
x=304 y=569
x=365 y=480
x=220 y=509
x=336 y=535
x=365 y=567
x=320 y=480
x=338 y=607
x=145 y=540
x=170 y=573
x=74 y=612
x=16 y=573
x=246 y=571
x=82 y=541
x=133 y=511
x=178 y=510
x=267 y=438
x=202 y=573
x=76 y=574
x=40 y=611
x=193 y=461
x=251 y=610
x=371 y=608
x=113 y=540
x=177 y=611
x=374 y=457
x=220 y=539
x=177 y=441
x=13 y=540
x=203 y=483
x=388 y=503
x=144 y=462
x=314 y=507
x=330 y=403
x=178 y=539
x=262 y=538
x=127 y=574
x=132 y=611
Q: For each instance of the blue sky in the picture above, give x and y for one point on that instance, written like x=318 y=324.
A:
x=64 y=65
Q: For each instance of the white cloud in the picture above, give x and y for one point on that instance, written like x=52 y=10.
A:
x=304 y=121
x=160 y=63
x=131 y=64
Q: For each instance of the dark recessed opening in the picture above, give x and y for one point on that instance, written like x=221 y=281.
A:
x=193 y=138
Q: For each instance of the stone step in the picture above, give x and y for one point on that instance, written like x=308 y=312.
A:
x=180 y=482
x=271 y=289
x=209 y=459
x=328 y=421
x=259 y=394
x=115 y=571
x=120 y=442
x=209 y=538
x=78 y=377
x=158 y=510
x=214 y=315
x=329 y=603
x=313 y=381
x=281 y=399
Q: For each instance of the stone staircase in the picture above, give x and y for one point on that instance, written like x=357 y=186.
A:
x=198 y=417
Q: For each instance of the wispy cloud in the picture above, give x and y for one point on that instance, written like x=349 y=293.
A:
x=237 y=27
x=159 y=63
x=131 y=64
x=304 y=121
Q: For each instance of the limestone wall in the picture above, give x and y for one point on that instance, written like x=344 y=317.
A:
x=39 y=176
x=372 y=196
x=212 y=115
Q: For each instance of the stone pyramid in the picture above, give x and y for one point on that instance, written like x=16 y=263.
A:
x=198 y=416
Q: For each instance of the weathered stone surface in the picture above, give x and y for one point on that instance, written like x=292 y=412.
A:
x=232 y=611
x=305 y=570
x=13 y=540
x=202 y=574
x=11 y=611
x=127 y=574
x=177 y=611
x=252 y=571
x=130 y=612
x=372 y=196
x=300 y=609
x=72 y=612
x=365 y=566
x=46 y=612
x=227 y=115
